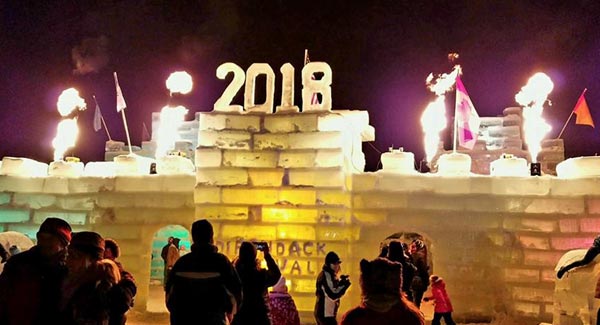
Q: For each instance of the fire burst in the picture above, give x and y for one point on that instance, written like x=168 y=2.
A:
x=433 y=119
x=67 y=130
x=532 y=97
x=170 y=120
x=179 y=82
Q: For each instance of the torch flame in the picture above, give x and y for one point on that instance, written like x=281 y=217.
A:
x=532 y=97
x=433 y=119
x=180 y=82
x=170 y=120
x=68 y=101
x=66 y=136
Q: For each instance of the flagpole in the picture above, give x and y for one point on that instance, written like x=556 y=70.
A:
x=126 y=131
x=305 y=55
x=570 y=115
x=102 y=119
x=105 y=128
x=455 y=133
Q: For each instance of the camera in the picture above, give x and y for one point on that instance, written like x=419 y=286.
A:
x=260 y=245
x=345 y=280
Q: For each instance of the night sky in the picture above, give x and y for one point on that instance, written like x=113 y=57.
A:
x=380 y=52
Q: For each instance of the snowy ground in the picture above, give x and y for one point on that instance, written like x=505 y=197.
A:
x=157 y=312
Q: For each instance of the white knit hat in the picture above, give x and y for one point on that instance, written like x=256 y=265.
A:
x=280 y=286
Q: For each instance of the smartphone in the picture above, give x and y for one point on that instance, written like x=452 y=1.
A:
x=260 y=245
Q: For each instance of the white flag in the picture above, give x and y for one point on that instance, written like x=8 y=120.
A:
x=120 y=99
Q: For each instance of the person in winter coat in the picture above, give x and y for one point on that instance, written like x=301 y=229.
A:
x=86 y=290
x=330 y=290
x=30 y=283
x=282 y=306
x=173 y=253
x=420 y=283
x=125 y=289
x=396 y=254
x=382 y=300
x=443 y=306
x=4 y=255
x=203 y=284
x=588 y=258
x=255 y=281
x=164 y=254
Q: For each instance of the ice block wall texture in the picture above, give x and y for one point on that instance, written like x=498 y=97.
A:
x=495 y=240
x=504 y=135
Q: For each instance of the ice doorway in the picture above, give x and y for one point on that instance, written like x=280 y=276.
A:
x=156 y=298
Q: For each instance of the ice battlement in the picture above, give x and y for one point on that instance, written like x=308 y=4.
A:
x=296 y=181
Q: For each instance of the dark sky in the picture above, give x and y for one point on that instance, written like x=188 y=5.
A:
x=380 y=52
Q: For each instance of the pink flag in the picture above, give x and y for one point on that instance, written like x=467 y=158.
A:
x=467 y=119
x=314 y=100
x=120 y=99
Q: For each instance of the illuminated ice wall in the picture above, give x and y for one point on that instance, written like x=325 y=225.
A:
x=293 y=180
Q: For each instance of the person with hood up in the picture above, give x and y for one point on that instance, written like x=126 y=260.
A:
x=443 y=306
x=330 y=289
x=30 y=282
x=382 y=300
x=283 y=308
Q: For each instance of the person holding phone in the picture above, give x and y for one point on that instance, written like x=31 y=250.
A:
x=255 y=281
x=330 y=289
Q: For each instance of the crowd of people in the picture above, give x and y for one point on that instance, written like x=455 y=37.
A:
x=206 y=285
x=66 y=278
x=76 y=278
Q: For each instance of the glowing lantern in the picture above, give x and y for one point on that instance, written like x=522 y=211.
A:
x=532 y=97
x=180 y=82
x=433 y=119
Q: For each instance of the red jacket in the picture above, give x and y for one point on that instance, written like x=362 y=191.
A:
x=440 y=296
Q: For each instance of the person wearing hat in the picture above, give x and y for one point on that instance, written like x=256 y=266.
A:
x=88 y=289
x=30 y=283
x=382 y=301
x=283 y=310
x=123 y=293
x=419 y=258
x=85 y=290
x=203 y=286
x=443 y=305
x=330 y=288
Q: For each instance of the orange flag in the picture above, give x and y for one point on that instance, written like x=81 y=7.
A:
x=583 y=111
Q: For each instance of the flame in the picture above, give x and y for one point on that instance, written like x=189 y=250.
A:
x=180 y=82
x=68 y=101
x=170 y=120
x=433 y=119
x=66 y=136
x=532 y=97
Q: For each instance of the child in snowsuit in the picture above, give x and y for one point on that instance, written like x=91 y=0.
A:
x=443 y=306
